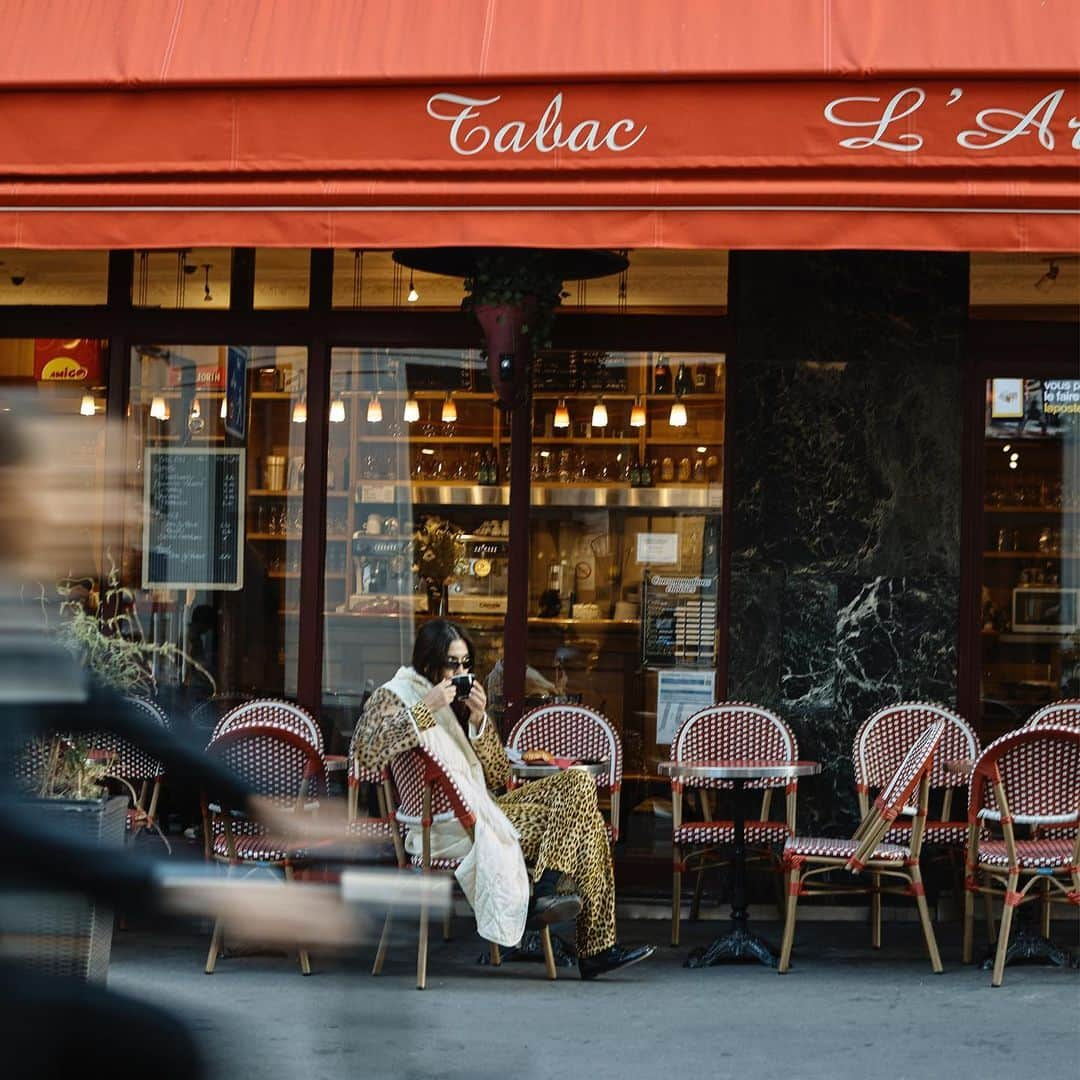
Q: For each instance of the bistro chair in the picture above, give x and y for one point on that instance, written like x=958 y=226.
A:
x=204 y=717
x=1064 y=713
x=881 y=744
x=1027 y=777
x=809 y=857
x=382 y=828
x=728 y=732
x=281 y=764
x=426 y=793
x=274 y=712
x=575 y=731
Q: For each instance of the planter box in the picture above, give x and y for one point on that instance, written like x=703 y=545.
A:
x=58 y=933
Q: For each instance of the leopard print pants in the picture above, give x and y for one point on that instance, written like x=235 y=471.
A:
x=562 y=829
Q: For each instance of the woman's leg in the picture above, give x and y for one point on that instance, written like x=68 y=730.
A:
x=562 y=829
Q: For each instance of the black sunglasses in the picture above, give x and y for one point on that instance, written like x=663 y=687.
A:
x=454 y=664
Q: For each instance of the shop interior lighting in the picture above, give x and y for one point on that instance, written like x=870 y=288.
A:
x=374 y=409
x=168 y=412
x=337 y=411
x=87 y=406
x=299 y=411
x=599 y=414
x=1014 y=464
x=637 y=414
x=677 y=417
x=158 y=409
x=224 y=410
x=196 y=409
x=449 y=410
x=702 y=449
x=1006 y=448
x=562 y=415
x=1046 y=282
x=413 y=294
x=411 y=412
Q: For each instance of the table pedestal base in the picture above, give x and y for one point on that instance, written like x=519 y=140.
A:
x=737 y=944
x=1026 y=945
x=531 y=950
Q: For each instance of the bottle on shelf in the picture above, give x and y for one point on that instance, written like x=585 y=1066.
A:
x=662 y=377
x=701 y=378
x=683 y=383
x=648 y=473
x=635 y=474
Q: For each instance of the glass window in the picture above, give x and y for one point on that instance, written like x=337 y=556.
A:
x=282 y=278
x=215 y=561
x=61 y=385
x=53 y=277
x=1030 y=613
x=656 y=280
x=414 y=449
x=182 y=278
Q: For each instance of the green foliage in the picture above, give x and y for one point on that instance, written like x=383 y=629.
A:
x=69 y=772
x=105 y=635
x=516 y=278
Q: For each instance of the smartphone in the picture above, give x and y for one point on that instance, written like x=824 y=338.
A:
x=462 y=685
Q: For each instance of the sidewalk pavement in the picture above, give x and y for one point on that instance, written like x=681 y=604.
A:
x=843 y=1011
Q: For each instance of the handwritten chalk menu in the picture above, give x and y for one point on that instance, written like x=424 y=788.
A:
x=193 y=503
x=678 y=622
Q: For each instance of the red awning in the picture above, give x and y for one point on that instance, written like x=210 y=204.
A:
x=783 y=124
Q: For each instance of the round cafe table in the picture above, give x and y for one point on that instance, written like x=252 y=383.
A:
x=738 y=943
x=538 y=772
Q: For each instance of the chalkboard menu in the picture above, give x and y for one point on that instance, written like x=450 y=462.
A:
x=678 y=623
x=193 y=504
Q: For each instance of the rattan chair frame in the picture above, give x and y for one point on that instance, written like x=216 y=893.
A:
x=1040 y=880
x=534 y=732
x=805 y=870
x=708 y=857
x=228 y=817
x=420 y=770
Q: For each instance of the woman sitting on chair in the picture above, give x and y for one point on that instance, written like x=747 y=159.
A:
x=556 y=822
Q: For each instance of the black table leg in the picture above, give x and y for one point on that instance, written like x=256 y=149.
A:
x=1027 y=945
x=738 y=943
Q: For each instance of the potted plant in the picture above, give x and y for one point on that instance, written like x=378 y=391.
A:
x=513 y=295
x=437 y=553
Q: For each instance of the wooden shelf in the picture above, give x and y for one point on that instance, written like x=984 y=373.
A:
x=421 y=395
x=429 y=440
x=683 y=440
x=580 y=444
x=1031 y=555
x=990 y=509
x=292 y=493
x=291 y=536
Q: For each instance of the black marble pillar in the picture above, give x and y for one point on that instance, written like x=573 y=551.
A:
x=845 y=418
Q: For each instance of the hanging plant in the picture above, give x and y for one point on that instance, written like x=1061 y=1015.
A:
x=516 y=279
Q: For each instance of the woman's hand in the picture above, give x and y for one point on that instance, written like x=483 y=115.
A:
x=477 y=702
x=440 y=695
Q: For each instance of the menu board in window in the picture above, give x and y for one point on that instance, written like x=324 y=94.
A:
x=193 y=519
x=678 y=623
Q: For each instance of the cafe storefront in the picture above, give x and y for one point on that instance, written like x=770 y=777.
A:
x=767 y=453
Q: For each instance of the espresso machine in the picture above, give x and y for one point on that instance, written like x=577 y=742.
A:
x=383 y=570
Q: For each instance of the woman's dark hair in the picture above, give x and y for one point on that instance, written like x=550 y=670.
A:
x=429 y=650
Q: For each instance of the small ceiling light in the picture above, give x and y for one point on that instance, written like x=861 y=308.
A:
x=562 y=415
x=411 y=412
x=158 y=408
x=702 y=449
x=196 y=409
x=299 y=411
x=1006 y=448
x=87 y=406
x=677 y=418
x=449 y=411
x=223 y=412
x=599 y=414
x=1014 y=464
x=337 y=411
x=1046 y=282
x=1014 y=456
x=637 y=414
x=413 y=294
x=374 y=409
x=427 y=451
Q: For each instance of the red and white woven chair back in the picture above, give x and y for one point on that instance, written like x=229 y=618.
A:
x=572 y=731
x=898 y=791
x=1039 y=768
x=126 y=760
x=275 y=762
x=207 y=713
x=735 y=731
x=1065 y=713
x=883 y=741
x=410 y=771
x=273 y=712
